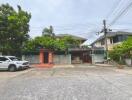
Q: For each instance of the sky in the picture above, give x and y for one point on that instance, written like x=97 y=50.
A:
x=77 y=17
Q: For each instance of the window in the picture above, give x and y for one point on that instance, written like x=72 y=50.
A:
x=98 y=51
x=111 y=41
x=102 y=42
x=14 y=58
x=115 y=39
x=3 y=59
x=119 y=38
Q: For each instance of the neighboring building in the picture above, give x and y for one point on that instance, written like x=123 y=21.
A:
x=113 y=38
x=98 y=46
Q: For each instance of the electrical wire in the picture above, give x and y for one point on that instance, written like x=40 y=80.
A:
x=121 y=13
x=114 y=8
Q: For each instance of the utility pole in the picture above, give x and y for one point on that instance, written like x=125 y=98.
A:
x=105 y=30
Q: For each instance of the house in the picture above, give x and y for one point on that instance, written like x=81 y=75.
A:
x=77 y=54
x=74 y=55
x=113 y=38
x=81 y=39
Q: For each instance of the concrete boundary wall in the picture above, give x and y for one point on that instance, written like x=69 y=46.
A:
x=33 y=59
x=62 y=59
x=97 y=58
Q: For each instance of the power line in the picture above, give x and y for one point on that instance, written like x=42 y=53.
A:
x=86 y=25
x=118 y=8
x=68 y=29
x=120 y=14
x=114 y=8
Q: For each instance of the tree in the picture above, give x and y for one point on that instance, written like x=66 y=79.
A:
x=116 y=53
x=70 y=42
x=122 y=50
x=44 y=42
x=48 y=32
x=127 y=46
x=50 y=43
x=14 y=28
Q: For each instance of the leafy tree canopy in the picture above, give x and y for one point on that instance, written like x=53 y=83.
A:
x=122 y=50
x=70 y=41
x=49 y=43
x=48 y=32
x=14 y=28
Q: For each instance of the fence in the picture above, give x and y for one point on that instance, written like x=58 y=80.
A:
x=33 y=59
x=62 y=59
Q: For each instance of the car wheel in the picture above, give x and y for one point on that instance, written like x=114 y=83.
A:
x=12 y=68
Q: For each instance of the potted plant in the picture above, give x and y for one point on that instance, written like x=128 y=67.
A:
x=128 y=59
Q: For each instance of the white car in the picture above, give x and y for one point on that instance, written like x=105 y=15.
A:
x=12 y=63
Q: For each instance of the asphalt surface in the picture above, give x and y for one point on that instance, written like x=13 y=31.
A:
x=80 y=83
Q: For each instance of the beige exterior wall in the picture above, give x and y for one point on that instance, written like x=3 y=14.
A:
x=98 y=44
x=110 y=45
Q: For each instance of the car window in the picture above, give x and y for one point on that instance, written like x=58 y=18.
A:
x=3 y=59
x=14 y=58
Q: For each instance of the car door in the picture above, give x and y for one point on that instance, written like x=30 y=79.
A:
x=3 y=63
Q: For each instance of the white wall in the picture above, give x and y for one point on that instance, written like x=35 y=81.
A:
x=97 y=58
x=98 y=44
x=62 y=59
x=33 y=59
x=108 y=41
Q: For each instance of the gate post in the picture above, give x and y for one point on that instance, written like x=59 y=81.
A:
x=50 y=58
x=41 y=56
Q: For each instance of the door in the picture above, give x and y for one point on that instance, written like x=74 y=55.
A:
x=87 y=58
x=46 y=57
x=4 y=63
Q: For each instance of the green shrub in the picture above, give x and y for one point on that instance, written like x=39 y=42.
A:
x=122 y=51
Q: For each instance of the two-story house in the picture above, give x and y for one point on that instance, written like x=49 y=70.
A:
x=113 y=38
x=76 y=54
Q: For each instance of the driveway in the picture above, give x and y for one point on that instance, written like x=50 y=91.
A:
x=79 y=83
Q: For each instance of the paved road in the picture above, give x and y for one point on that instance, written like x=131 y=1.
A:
x=92 y=83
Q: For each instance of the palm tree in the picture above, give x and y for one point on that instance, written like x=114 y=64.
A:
x=48 y=32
